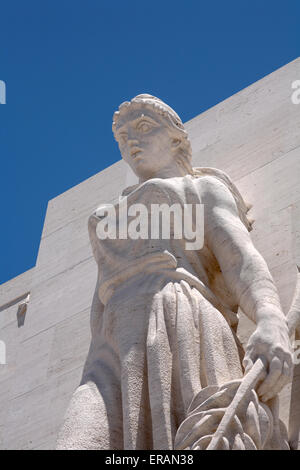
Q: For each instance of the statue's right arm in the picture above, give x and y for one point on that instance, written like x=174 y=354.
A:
x=248 y=278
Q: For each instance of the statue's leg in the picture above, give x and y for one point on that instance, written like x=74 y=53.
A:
x=89 y=424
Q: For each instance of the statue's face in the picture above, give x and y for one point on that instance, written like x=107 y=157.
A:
x=145 y=142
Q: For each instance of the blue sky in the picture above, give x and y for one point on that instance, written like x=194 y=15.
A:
x=68 y=64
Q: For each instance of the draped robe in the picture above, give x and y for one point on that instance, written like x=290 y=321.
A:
x=163 y=328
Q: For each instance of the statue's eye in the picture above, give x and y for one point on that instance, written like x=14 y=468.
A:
x=123 y=138
x=144 y=126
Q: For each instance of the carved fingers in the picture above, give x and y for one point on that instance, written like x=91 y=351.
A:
x=270 y=344
x=280 y=375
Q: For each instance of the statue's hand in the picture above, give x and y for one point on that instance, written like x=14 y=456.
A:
x=270 y=342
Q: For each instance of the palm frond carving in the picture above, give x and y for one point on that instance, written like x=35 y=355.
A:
x=227 y=417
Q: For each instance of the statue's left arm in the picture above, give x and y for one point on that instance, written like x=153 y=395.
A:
x=248 y=278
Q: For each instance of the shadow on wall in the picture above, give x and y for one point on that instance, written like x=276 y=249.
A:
x=22 y=309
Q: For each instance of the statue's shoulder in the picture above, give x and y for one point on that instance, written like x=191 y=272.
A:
x=216 y=187
x=212 y=177
x=212 y=184
x=207 y=183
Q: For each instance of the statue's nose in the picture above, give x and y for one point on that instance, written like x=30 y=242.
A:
x=132 y=142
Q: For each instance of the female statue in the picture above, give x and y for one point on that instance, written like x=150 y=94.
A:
x=164 y=317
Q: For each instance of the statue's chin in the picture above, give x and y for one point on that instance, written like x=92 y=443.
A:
x=142 y=172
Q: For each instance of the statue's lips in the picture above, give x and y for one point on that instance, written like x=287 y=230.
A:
x=135 y=152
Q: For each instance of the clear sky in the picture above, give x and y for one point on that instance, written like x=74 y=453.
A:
x=68 y=64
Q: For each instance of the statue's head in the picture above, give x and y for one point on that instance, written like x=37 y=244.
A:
x=151 y=137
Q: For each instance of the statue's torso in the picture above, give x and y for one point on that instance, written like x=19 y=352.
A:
x=142 y=261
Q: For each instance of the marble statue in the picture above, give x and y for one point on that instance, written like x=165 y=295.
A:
x=165 y=369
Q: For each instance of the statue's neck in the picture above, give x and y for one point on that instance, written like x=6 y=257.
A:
x=167 y=172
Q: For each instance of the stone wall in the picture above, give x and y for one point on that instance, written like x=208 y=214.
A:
x=255 y=137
